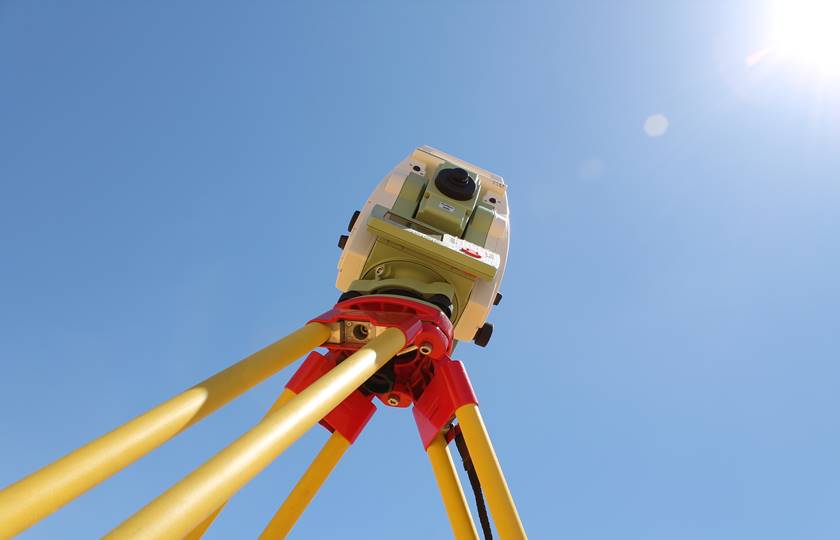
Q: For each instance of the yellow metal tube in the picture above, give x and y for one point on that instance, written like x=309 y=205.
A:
x=29 y=500
x=306 y=488
x=202 y=527
x=189 y=502
x=451 y=491
x=490 y=473
x=285 y=396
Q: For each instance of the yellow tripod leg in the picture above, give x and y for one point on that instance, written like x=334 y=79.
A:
x=202 y=527
x=306 y=488
x=199 y=531
x=31 y=499
x=451 y=491
x=489 y=473
x=189 y=502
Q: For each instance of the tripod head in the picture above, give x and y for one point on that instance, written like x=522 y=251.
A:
x=435 y=229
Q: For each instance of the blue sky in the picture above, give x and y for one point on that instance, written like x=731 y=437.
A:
x=174 y=176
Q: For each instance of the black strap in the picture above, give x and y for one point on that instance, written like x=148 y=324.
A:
x=476 y=485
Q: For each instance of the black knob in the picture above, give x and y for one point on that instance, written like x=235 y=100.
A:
x=497 y=299
x=460 y=175
x=482 y=336
x=353 y=221
x=456 y=184
x=342 y=240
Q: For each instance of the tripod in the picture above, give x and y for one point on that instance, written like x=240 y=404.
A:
x=391 y=347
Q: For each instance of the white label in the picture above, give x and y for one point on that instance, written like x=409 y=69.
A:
x=446 y=207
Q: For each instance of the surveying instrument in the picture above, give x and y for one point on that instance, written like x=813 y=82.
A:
x=419 y=270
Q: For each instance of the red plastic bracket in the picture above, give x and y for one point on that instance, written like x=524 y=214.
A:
x=436 y=384
x=419 y=322
x=448 y=390
x=351 y=415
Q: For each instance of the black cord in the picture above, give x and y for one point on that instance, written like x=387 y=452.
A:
x=476 y=485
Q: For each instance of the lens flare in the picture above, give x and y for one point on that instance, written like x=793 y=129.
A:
x=808 y=31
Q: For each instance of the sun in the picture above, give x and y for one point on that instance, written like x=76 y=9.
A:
x=807 y=31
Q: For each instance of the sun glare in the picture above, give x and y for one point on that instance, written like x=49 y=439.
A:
x=808 y=31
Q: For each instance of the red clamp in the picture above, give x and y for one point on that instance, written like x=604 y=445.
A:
x=448 y=390
x=351 y=415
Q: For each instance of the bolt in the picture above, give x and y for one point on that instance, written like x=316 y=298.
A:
x=393 y=400
x=426 y=349
x=380 y=270
x=349 y=323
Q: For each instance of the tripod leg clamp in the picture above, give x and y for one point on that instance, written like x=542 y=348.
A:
x=448 y=390
x=351 y=416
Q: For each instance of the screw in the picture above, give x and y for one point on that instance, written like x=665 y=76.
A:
x=349 y=323
x=426 y=349
x=380 y=270
x=393 y=400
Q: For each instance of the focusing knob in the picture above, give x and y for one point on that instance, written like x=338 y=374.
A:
x=455 y=184
x=482 y=335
